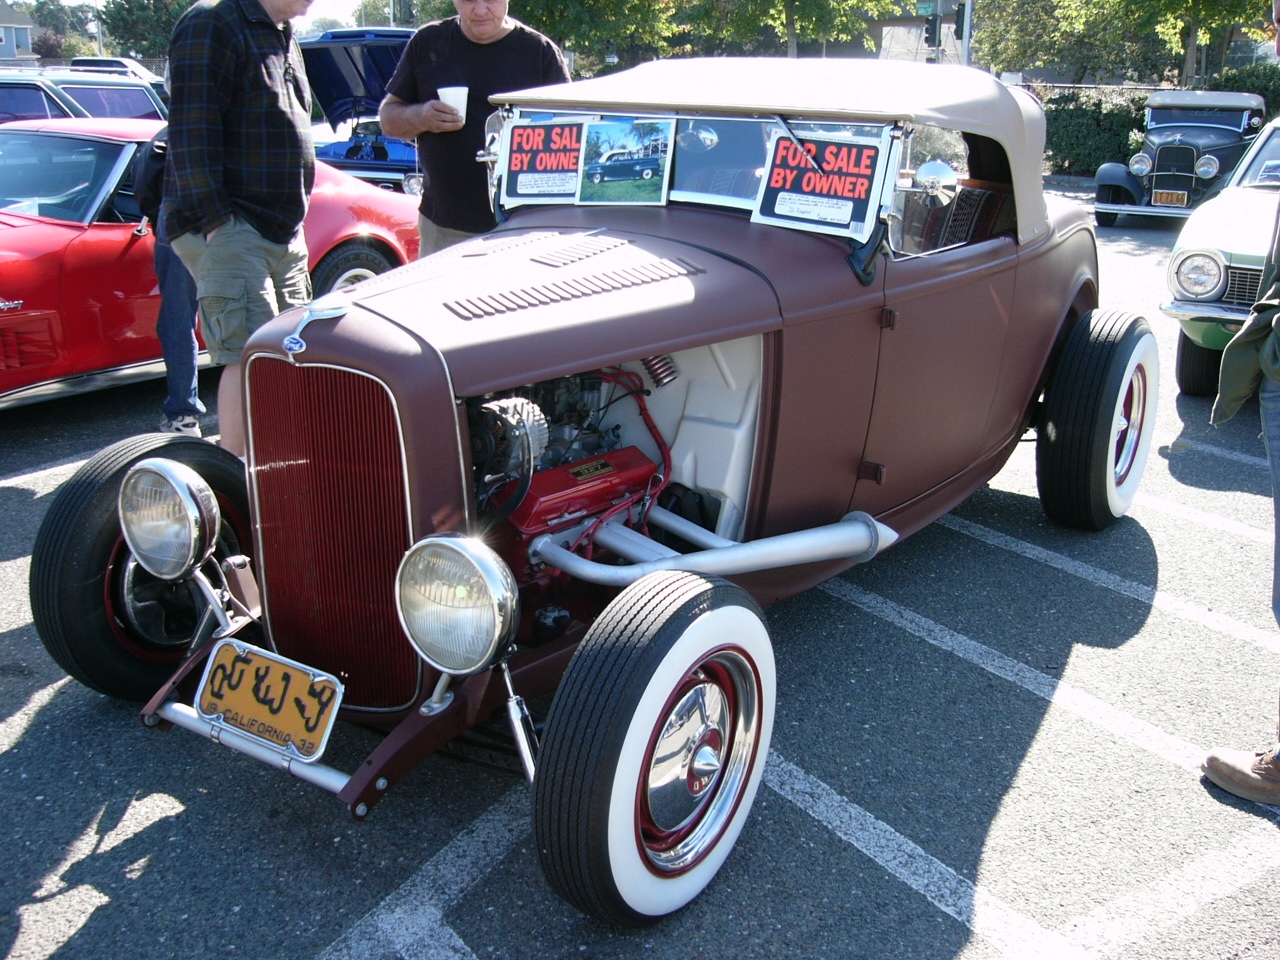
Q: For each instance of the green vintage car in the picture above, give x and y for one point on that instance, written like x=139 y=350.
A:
x=1215 y=269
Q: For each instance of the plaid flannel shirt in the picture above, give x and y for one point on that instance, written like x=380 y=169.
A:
x=239 y=122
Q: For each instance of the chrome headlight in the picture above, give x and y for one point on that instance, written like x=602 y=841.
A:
x=1140 y=164
x=457 y=601
x=169 y=516
x=1207 y=167
x=1199 y=276
x=412 y=184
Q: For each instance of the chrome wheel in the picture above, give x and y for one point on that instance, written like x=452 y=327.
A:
x=701 y=756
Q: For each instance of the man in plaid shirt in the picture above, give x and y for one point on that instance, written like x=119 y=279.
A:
x=240 y=169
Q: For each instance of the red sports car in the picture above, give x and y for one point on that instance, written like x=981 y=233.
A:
x=78 y=292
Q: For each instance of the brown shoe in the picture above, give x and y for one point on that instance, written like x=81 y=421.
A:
x=1254 y=776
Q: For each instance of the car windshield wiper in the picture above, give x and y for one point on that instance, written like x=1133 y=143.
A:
x=794 y=139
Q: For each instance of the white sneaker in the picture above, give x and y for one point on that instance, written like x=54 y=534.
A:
x=186 y=426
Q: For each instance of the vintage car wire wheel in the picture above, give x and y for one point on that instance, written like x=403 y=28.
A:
x=1197 y=368
x=106 y=621
x=1098 y=419
x=655 y=747
x=350 y=263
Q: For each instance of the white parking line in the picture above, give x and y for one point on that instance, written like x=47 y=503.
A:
x=1127 y=727
x=409 y=923
x=1215 y=876
x=1215 y=451
x=1160 y=599
x=1014 y=934
x=1211 y=520
x=12 y=728
x=45 y=477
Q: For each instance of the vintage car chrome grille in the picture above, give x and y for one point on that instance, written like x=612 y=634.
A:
x=1176 y=159
x=328 y=487
x=1175 y=168
x=1242 y=286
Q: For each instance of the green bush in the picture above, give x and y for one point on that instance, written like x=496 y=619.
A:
x=1260 y=78
x=1083 y=131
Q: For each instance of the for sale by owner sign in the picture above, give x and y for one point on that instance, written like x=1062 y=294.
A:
x=541 y=162
x=827 y=185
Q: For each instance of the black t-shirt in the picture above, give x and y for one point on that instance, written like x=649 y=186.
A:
x=440 y=55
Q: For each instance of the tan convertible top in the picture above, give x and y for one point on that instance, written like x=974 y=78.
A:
x=1206 y=99
x=836 y=89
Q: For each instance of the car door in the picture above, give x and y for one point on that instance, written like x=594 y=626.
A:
x=110 y=297
x=949 y=287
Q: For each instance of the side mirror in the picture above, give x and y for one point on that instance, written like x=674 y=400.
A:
x=938 y=182
x=698 y=137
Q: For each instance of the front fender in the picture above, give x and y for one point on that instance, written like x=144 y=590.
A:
x=1117 y=175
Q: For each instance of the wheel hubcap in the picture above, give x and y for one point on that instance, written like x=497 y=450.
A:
x=687 y=758
x=1129 y=425
x=699 y=762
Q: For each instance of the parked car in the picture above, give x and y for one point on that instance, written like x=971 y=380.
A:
x=41 y=94
x=348 y=71
x=124 y=67
x=624 y=166
x=568 y=460
x=1193 y=140
x=78 y=291
x=1215 y=269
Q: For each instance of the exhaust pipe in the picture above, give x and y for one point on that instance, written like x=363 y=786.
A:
x=858 y=536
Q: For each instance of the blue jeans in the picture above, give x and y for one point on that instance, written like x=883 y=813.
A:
x=1269 y=404
x=176 y=328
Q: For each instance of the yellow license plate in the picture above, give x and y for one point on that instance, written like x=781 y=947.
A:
x=1169 y=198
x=284 y=704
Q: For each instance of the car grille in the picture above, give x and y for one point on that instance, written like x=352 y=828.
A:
x=1175 y=168
x=1242 y=286
x=332 y=519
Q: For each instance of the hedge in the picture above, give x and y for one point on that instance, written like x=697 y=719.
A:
x=1260 y=78
x=1084 y=130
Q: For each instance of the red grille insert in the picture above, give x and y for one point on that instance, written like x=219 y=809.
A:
x=329 y=488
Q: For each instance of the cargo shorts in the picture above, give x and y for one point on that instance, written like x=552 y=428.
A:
x=242 y=281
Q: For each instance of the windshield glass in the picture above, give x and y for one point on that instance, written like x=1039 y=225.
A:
x=55 y=177
x=104 y=101
x=601 y=158
x=1264 y=166
x=1204 y=116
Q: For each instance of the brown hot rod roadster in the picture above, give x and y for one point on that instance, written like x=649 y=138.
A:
x=565 y=462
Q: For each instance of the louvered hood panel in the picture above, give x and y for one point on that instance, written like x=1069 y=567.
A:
x=516 y=307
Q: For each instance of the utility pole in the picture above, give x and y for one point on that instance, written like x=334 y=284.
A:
x=964 y=28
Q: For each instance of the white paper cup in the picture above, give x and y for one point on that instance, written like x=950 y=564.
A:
x=455 y=97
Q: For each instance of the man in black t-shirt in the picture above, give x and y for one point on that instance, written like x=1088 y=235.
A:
x=487 y=52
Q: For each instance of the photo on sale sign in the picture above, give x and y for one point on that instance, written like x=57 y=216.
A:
x=625 y=161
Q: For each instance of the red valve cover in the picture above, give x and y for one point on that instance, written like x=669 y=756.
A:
x=564 y=495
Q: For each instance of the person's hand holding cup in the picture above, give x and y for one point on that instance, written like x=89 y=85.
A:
x=455 y=97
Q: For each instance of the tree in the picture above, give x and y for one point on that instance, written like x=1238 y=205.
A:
x=48 y=45
x=792 y=20
x=325 y=24
x=142 y=26
x=1079 y=38
x=1182 y=25
x=62 y=19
